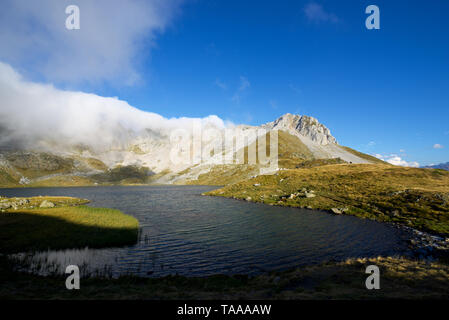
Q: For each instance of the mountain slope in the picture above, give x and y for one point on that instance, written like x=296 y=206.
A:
x=147 y=158
x=316 y=137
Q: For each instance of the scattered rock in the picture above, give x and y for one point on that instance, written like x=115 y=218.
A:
x=13 y=203
x=310 y=194
x=24 y=180
x=47 y=204
x=249 y=198
x=336 y=211
x=5 y=205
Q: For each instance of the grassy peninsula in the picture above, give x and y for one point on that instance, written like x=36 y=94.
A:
x=418 y=198
x=41 y=223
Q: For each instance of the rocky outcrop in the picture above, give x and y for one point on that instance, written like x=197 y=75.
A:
x=47 y=204
x=12 y=203
x=303 y=126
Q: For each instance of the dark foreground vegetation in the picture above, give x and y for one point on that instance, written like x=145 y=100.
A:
x=400 y=279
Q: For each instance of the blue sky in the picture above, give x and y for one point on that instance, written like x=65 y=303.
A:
x=379 y=91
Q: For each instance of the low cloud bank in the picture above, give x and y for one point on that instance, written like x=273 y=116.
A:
x=34 y=115
x=397 y=160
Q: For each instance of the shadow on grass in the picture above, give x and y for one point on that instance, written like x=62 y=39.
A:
x=27 y=231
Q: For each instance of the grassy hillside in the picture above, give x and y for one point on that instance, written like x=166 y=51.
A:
x=292 y=153
x=62 y=181
x=124 y=175
x=6 y=180
x=45 y=170
x=40 y=169
x=364 y=155
x=221 y=175
x=411 y=196
x=34 y=165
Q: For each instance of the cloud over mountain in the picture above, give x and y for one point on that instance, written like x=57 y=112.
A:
x=33 y=113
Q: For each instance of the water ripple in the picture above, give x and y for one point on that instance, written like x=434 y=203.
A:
x=185 y=233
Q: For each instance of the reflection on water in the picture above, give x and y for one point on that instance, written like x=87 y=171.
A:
x=185 y=233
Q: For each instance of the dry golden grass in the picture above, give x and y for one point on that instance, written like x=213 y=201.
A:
x=412 y=196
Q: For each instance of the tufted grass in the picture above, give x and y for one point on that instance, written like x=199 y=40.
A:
x=415 y=197
x=65 y=227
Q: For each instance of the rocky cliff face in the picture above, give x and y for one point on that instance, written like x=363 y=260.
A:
x=303 y=126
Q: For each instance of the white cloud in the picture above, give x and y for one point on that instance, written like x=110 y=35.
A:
x=316 y=13
x=34 y=115
x=220 y=84
x=295 y=89
x=244 y=84
x=397 y=160
x=113 y=37
x=438 y=146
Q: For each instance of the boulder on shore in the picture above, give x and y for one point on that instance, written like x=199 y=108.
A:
x=336 y=211
x=310 y=194
x=47 y=204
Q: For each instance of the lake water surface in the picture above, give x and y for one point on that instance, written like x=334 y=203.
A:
x=185 y=233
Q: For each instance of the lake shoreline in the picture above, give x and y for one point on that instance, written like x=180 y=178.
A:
x=343 y=279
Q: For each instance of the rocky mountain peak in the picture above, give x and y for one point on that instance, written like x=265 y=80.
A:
x=303 y=126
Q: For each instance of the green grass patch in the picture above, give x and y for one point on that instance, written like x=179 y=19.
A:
x=65 y=227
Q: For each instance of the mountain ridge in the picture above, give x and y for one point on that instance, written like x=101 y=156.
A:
x=444 y=166
x=144 y=158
